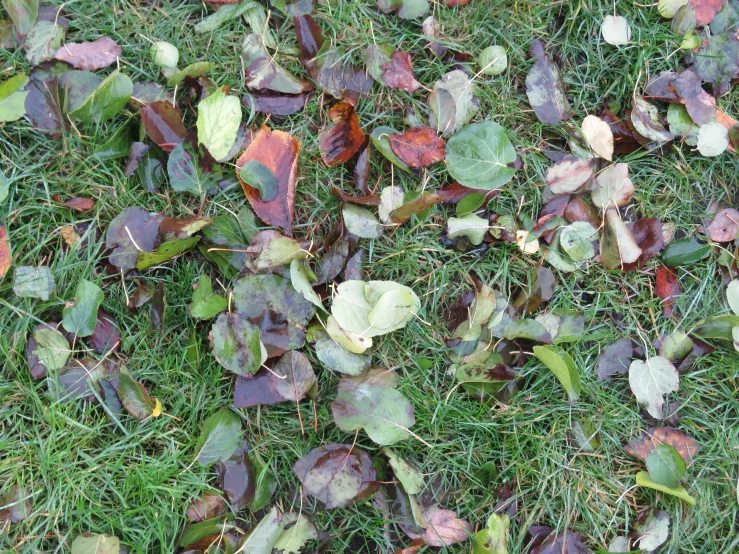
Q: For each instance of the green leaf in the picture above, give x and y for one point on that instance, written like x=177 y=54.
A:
x=165 y=54
x=336 y=358
x=205 y=303
x=219 y=118
x=117 y=146
x=732 y=296
x=407 y=9
x=650 y=380
x=685 y=251
x=23 y=13
x=4 y=187
x=257 y=175
x=219 y=438
x=107 y=100
x=89 y=543
x=493 y=60
x=262 y=539
x=279 y=250
x=409 y=476
x=470 y=203
x=577 y=240
x=13 y=98
x=526 y=329
x=135 y=398
x=33 y=282
x=165 y=252
x=81 y=317
x=681 y=125
x=493 y=539
x=236 y=344
x=198 y=531
x=479 y=154
x=563 y=367
x=52 y=348
x=384 y=413
x=361 y=222
x=347 y=340
x=666 y=466
x=298 y=531
x=185 y=173
x=717 y=327
x=471 y=226
x=43 y=41
x=194 y=70
x=643 y=480
x=225 y=13
x=381 y=141
x=301 y=283
x=265 y=482
x=653 y=532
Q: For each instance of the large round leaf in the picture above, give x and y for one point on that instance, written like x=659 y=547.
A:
x=479 y=155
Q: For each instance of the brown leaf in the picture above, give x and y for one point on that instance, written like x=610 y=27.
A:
x=273 y=332
x=725 y=226
x=566 y=543
x=310 y=41
x=404 y=212
x=624 y=139
x=206 y=507
x=399 y=72
x=89 y=55
x=106 y=337
x=135 y=155
x=444 y=527
x=418 y=147
x=685 y=445
x=647 y=233
x=78 y=203
x=4 y=251
x=455 y=192
x=340 y=141
x=278 y=151
x=579 y=210
x=668 y=288
x=366 y=200
x=275 y=104
x=163 y=124
x=706 y=10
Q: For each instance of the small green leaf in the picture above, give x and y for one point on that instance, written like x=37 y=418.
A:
x=107 y=100
x=493 y=539
x=471 y=226
x=194 y=70
x=493 y=60
x=301 y=283
x=135 y=398
x=717 y=327
x=470 y=203
x=262 y=539
x=265 y=482
x=563 y=367
x=643 y=480
x=89 y=543
x=205 y=303
x=381 y=141
x=81 y=317
x=336 y=358
x=33 y=282
x=43 y=41
x=257 y=175
x=13 y=98
x=226 y=12
x=665 y=465
x=219 y=438
x=653 y=532
x=52 y=348
x=298 y=531
x=165 y=252
x=23 y=13
x=219 y=118
x=165 y=54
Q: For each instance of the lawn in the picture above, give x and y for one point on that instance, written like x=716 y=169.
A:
x=135 y=480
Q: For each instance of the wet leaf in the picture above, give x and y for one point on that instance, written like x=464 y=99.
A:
x=219 y=118
x=478 y=156
x=43 y=104
x=384 y=413
x=432 y=31
x=407 y=474
x=415 y=207
x=453 y=102
x=13 y=98
x=615 y=359
x=645 y=119
x=336 y=358
x=725 y=226
x=563 y=367
x=545 y=88
x=295 y=376
x=398 y=73
x=310 y=40
x=340 y=79
x=380 y=139
x=89 y=543
x=105 y=337
x=230 y=10
x=106 y=101
x=77 y=379
x=205 y=303
x=92 y=55
x=654 y=531
x=666 y=467
x=361 y=222
x=278 y=151
x=219 y=438
x=298 y=531
x=236 y=344
x=135 y=398
x=541 y=290
x=44 y=39
x=685 y=252
x=407 y=9
x=668 y=288
x=650 y=380
x=33 y=282
x=344 y=138
x=263 y=72
x=80 y=318
x=163 y=124
x=337 y=474
x=418 y=147
x=685 y=445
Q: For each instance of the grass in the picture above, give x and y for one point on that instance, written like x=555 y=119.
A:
x=86 y=474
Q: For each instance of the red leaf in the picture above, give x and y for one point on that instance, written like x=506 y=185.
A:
x=163 y=124
x=419 y=147
x=340 y=141
x=455 y=192
x=668 y=288
x=399 y=72
x=278 y=151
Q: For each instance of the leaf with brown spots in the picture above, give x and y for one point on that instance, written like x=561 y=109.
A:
x=668 y=288
x=685 y=445
x=91 y=55
x=418 y=147
x=278 y=152
x=725 y=226
x=340 y=141
x=4 y=251
x=399 y=72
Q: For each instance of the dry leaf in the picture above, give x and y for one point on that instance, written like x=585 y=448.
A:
x=418 y=147
x=340 y=141
x=89 y=55
x=599 y=135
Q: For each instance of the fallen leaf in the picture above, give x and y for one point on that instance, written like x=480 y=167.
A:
x=706 y=10
x=615 y=359
x=5 y=261
x=545 y=88
x=403 y=213
x=453 y=102
x=77 y=203
x=340 y=79
x=17 y=503
x=599 y=135
x=479 y=154
x=298 y=530
x=646 y=120
x=236 y=478
x=106 y=337
x=206 y=507
x=80 y=317
x=685 y=445
x=398 y=73
x=236 y=344
x=361 y=222
x=337 y=474
x=615 y=189
x=668 y=288
x=278 y=152
x=615 y=30
x=263 y=72
x=135 y=398
x=650 y=380
x=340 y=141
x=163 y=124
x=565 y=543
x=444 y=528
x=13 y=98
x=219 y=437
x=92 y=543
x=418 y=147
x=432 y=31
x=274 y=104
x=653 y=532
x=407 y=9
x=91 y=56
x=571 y=174
x=310 y=41
x=219 y=118
x=725 y=226
x=563 y=367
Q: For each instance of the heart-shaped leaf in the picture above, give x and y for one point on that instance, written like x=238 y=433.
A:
x=479 y=154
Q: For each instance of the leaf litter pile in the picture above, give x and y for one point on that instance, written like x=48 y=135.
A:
x=285 y=304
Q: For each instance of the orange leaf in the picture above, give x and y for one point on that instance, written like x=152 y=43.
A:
x=340 y=141
x=278 y=151
x=419 y=146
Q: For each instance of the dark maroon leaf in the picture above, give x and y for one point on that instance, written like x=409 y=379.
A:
x=78 y=203
x=158 y=305
x=138 y=149
x=310 y=41
x=342 y=80
x=132 y=231
x=106 y=337
x=366 y=200
x=625 y=140
x=647 y=233
x=256 y=390
x=142 y=294
x=668 y=288
x=361 y=170
x=274 y=104
x=455 y=192
x=555 y=206
x=615 y=359
x=660 y=87
x=398 y=73
x=579 y=210
x=353 y=271
x=236 y=478
x=163 y=124
x=273 y=332
x=206 y=507
x=333 y=261
x=43 y=105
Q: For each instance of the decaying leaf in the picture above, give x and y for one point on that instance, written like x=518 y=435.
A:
x=599 y=135
x=685 y=445
x=418 y=147
x=340 y=141
x=654 y=531
x=398 y=73
x=444 y=528
x=89 y=55
x=545 y=88
x=725 y=226
x=650 y=380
